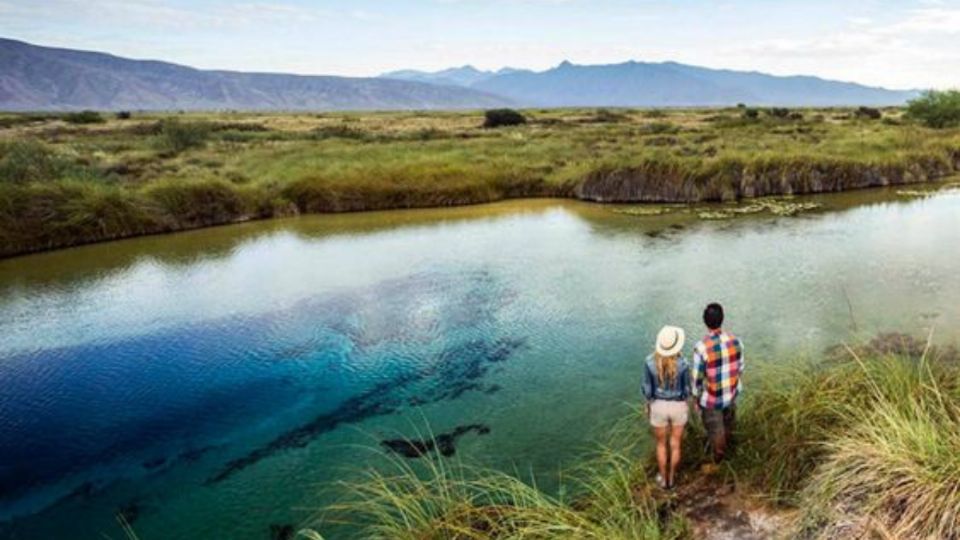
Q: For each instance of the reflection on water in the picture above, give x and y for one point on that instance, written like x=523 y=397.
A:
x=206 y=383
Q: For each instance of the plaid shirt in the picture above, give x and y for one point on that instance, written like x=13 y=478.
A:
x=717 y=366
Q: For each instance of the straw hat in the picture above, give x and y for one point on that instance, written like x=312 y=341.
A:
x=670 y=341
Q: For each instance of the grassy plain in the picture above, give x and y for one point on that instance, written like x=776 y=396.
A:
x=72 y=180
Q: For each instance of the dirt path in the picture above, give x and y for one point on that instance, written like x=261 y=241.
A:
x=717 y=511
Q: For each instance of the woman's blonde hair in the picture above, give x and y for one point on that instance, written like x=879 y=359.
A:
x=666 y=369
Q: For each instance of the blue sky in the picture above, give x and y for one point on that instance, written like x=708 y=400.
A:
x=900 y=44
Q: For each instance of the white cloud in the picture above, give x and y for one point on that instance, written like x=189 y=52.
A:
x=917 y=50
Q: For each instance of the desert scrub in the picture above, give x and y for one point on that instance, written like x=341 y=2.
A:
x=176 y=136
x=83 y=117
x=24 y=161
x=503 y=117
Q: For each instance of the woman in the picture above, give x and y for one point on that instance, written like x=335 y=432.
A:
x=666 y=385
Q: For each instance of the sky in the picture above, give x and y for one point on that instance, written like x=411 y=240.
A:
x=896 y=44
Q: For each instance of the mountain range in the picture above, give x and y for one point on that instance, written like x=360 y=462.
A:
x=45 y=78
x=33 y=77
x=665 y=84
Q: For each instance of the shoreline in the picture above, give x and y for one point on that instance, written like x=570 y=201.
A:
x=938 y=181
x=64 y=186
x=804 y=441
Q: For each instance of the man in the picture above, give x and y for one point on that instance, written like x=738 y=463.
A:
x=717 y=368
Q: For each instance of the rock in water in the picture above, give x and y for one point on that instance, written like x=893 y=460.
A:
x=444 y=443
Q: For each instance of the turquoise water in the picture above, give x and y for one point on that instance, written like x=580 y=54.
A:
x=212 y=384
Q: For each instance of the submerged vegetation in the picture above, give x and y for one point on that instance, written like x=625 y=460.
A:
x=863 y=443
x=68 y=179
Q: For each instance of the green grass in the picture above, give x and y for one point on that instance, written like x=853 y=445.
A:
x=607 y=498
x=864 y=442
x=230 y=167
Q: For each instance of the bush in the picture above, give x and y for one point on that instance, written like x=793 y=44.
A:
x=176 y=136
x=895 y=467
x=751 y=113
x=66 y=213
x=868 y=112
x=779 y=112
x=84 y=117
x=123 y=115
x=31 y=161
x=198 y=203
x=503 y=117
x=936 y=109
x=606 y=116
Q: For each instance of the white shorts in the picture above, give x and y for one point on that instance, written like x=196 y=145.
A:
x=664 y=412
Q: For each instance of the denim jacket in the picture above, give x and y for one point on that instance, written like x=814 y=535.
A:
x=678 y=391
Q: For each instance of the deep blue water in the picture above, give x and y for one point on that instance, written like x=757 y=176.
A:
x=215 y=383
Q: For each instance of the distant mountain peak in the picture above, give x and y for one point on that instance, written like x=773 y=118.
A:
x=44 y=78
x=672 y=84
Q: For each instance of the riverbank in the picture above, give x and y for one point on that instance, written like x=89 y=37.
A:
x=67 y=184
x=859 y=444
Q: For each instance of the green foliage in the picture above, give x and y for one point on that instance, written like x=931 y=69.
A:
x=503 y=117
x=65 y=213
x=936 y=109
x=29 y=160
x=83 y=117
x=751 y=114
x=124 y=115
x=779 y=112
x=177 y=136
x=608 y=497
x=869 y=113
x=606 y=116
x=196 y=203
x=340 y=131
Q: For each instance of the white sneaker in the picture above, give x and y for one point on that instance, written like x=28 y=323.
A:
x=661 y=482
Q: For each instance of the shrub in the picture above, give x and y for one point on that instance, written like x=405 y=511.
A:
x=66 y=213
x=751 y=113
x=503 y=117
x=779 y=112
x=176 y=136
x=123 y=115
x=198 y=202
x=936 y=109
x=660 y=128
x=84 y=117
x=895 y=467
x=31 y=161
x=606 y=116
x=339 y=131
x=869 y=113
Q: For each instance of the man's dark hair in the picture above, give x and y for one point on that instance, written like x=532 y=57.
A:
x=713 y=316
